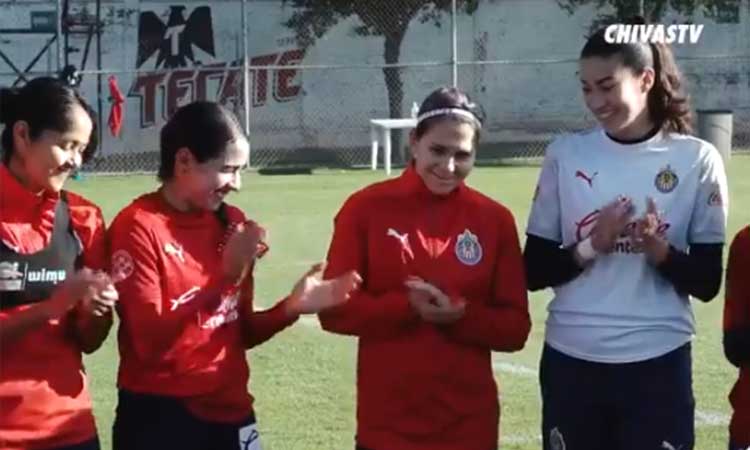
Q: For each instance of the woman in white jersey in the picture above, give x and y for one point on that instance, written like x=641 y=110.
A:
x=628 y=222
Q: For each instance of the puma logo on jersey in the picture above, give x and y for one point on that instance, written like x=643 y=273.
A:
x=588 y=179
x=403 y=239
x=175 y=250
x=184 y=298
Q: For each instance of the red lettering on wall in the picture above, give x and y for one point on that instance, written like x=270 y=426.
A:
x=284 y=90
x=260 y=78
x=179 y=91
x=144 y=87
x=183 y=86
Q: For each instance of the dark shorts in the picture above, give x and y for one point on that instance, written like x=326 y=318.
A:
x=93 y=444
x=646 y=405
x=152 y=422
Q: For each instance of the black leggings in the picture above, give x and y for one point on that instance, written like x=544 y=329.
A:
x=152 y=422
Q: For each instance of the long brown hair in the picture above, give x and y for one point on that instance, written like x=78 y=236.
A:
x=668 y=105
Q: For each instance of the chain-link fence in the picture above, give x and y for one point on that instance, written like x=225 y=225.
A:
x=316 y=77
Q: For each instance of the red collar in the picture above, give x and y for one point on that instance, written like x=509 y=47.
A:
x=183 y=218
x=12 y=189
x=27 y=217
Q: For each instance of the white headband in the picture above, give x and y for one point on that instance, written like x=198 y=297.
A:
x=446 y=111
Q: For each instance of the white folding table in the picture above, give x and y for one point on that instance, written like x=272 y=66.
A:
x=384 y=127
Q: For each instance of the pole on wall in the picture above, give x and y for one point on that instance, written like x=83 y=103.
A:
x=454 y=44
x=245 y=75
x=58 y=31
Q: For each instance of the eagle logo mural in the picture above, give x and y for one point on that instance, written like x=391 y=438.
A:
x=174 y=40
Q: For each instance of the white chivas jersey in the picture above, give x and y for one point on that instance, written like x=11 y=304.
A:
x=620 y=309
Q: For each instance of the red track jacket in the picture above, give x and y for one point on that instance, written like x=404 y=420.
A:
x=183 y=332
x=422 y=386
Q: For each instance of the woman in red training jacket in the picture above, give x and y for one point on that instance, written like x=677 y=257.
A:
x=53 y=305
x=737 y=336
x=443 y=287
x=183 y=259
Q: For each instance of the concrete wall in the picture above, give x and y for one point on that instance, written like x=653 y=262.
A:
x=330 y=108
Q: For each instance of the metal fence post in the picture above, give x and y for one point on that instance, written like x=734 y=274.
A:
x=58 y=36
x=454 y=44
x=245 y=77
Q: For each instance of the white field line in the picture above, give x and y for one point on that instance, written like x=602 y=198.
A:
x=702 y=418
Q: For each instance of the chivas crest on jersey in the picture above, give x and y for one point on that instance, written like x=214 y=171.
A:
x=468 y=249
x=666 y=180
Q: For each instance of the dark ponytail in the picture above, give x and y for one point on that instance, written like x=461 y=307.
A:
x=44 y=104
x=8 y=107
x=668 y=105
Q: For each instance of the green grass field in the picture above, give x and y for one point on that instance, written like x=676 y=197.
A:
x=304 y=378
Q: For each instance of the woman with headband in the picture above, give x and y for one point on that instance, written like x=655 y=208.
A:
x=443 y=287
x=627 y=224
x=54 y=301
